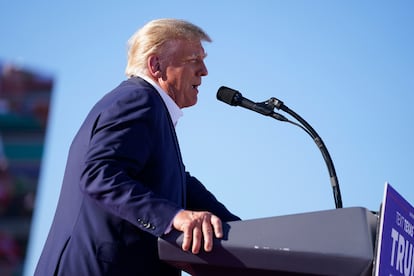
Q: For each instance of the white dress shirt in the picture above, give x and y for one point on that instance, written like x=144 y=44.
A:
x=173 y=108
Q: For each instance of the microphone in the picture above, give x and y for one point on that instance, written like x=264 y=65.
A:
x=233 y=97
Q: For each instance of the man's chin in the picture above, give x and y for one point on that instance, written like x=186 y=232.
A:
x=189 y=104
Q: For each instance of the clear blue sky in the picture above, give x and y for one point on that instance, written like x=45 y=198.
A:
x=347 y=67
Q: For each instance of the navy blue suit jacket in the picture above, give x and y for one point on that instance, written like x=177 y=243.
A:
x=124 y=182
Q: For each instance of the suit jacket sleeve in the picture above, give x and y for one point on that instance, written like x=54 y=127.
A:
x=199 y=198
x=121 y=149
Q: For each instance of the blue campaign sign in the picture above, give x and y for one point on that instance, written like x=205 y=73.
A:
x=395 y=250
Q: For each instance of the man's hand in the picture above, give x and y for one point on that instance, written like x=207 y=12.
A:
x=198 y=227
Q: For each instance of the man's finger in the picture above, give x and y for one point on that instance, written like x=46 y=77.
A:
x=217 y=226
x=208 y=234
x=187 y=237
x=197 y=239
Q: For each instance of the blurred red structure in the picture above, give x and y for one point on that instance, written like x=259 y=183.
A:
x=24 y=107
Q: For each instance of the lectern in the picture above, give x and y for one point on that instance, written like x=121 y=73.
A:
x=331 y=242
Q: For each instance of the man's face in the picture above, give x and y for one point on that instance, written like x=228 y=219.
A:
x=182 y=67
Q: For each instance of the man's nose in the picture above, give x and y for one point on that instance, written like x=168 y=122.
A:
x=203 y=70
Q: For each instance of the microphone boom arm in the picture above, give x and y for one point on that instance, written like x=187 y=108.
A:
x=235 y=98
x=275 y=103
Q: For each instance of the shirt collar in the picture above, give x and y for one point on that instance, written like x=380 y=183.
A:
x=173 y=109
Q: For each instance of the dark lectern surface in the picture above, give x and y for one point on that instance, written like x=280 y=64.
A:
x=331 y=242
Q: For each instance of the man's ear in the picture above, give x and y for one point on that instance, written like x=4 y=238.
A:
x=154 y=66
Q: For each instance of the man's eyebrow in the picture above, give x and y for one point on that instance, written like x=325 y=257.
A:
x=203 y=55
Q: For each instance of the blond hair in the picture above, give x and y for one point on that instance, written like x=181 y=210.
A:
x=150 y=39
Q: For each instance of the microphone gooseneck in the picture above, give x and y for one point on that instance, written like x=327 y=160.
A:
x=235 y=98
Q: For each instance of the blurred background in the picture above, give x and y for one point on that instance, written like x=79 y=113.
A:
x=346 y=67
x=24 y=106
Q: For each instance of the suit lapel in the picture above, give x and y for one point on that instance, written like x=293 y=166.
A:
x=180 y=164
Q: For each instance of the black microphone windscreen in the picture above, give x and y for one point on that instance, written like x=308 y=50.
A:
x=227 y=95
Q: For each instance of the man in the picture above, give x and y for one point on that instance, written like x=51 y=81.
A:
x=125 y=184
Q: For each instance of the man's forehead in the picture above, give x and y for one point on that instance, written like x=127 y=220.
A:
x=184 y=49
x=190 y=48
